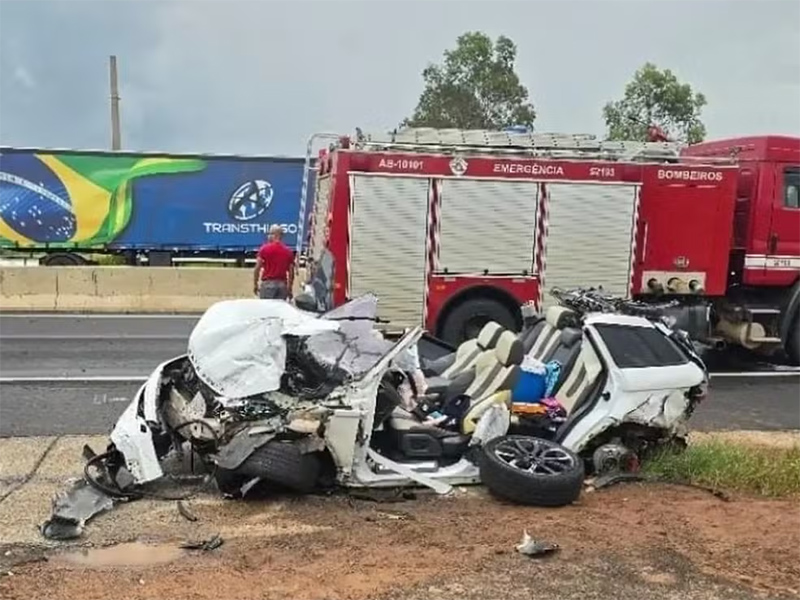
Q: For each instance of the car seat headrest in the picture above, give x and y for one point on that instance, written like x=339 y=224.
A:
x=509 y=349
x=570 y=336
x=489 y=335
x=529 y=336
x=559 y=317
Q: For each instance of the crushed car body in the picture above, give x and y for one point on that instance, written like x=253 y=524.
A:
x=298 y=399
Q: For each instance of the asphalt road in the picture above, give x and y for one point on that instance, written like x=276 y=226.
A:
x=73 y=408
x=129 y=347
x=89 y=346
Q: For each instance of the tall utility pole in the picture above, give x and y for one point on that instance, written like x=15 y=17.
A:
x=116 y=141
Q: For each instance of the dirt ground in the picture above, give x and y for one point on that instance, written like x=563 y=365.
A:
x=631 y=541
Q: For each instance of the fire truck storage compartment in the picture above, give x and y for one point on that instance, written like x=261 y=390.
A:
x=319 y=217
x=591 y=228
x=388 y=217
x=487 y=225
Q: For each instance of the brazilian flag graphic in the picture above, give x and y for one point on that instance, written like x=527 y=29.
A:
x=64 y=199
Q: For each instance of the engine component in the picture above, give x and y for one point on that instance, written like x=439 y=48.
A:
x=611 y=458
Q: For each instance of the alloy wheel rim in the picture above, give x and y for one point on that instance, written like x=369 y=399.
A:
x=534 y=456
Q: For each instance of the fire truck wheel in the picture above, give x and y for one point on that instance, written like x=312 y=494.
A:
x=793 y=343
x=466 y=320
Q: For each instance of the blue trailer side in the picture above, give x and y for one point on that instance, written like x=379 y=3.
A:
x=146 y=202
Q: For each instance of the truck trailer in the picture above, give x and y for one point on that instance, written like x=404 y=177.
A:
x=452 y=228
x=150 y=207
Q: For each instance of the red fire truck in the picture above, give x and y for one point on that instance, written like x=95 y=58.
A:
x=451 y=228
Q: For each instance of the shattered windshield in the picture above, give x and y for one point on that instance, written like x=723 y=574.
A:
x=356 y=346
x=244 y=348
x=238 y=347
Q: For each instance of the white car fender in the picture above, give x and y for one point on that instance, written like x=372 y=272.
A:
x=132 y=435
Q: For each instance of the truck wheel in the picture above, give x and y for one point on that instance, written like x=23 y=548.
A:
x=793 y=341
x=62 y=259
x=530 y=470
x=467 y=319
x=284 y=464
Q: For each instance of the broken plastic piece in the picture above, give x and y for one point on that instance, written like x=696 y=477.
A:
x=73 y=508
x=205 y=545
x=234 y=453
x=619 y=477
x=530 y=547
x=185 y=512
x=249 y=485
x=437 y=486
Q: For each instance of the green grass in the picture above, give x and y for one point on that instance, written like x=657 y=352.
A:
x=753 y=469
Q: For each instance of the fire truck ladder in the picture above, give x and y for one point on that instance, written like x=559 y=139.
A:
x=546 y=145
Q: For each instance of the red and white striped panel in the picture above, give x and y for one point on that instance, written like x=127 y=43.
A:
x=348 y=248
x=312 y=221
x=634 y=240
x=542 y=230
x=433 y=240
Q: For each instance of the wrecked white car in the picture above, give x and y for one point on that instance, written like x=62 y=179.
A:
x=272 y=394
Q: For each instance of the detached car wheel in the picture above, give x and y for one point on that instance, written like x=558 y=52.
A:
x=530 y=470
x=283 y=463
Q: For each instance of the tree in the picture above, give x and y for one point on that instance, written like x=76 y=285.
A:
x=474 y=88
x=656 y=97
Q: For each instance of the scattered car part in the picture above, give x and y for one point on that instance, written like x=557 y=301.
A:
x=437 y=486
x=115 y=481
x=212 y=543
x=530 y=470
x=390 y=496
x=613 y=457
x=232 y=455
x=530 y=547
x=185 y=512
x=614 y=478
x=73 y=508
x=249 y=485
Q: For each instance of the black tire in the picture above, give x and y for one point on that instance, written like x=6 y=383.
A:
x=467 y=318
x=527 y=487
x=793 y=341
x=62 y=259
x=228 y=482
x=284 y=464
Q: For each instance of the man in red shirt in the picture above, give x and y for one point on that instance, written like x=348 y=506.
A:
x=274 y=263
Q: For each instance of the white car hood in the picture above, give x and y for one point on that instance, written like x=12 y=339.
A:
x=237 y=347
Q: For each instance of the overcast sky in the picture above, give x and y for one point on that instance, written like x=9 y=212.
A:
x=259 y=76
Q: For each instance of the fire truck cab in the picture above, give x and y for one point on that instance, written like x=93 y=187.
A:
x=451 y=228
x=760 y=306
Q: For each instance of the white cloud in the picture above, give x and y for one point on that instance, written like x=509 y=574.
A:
x=24 y=77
